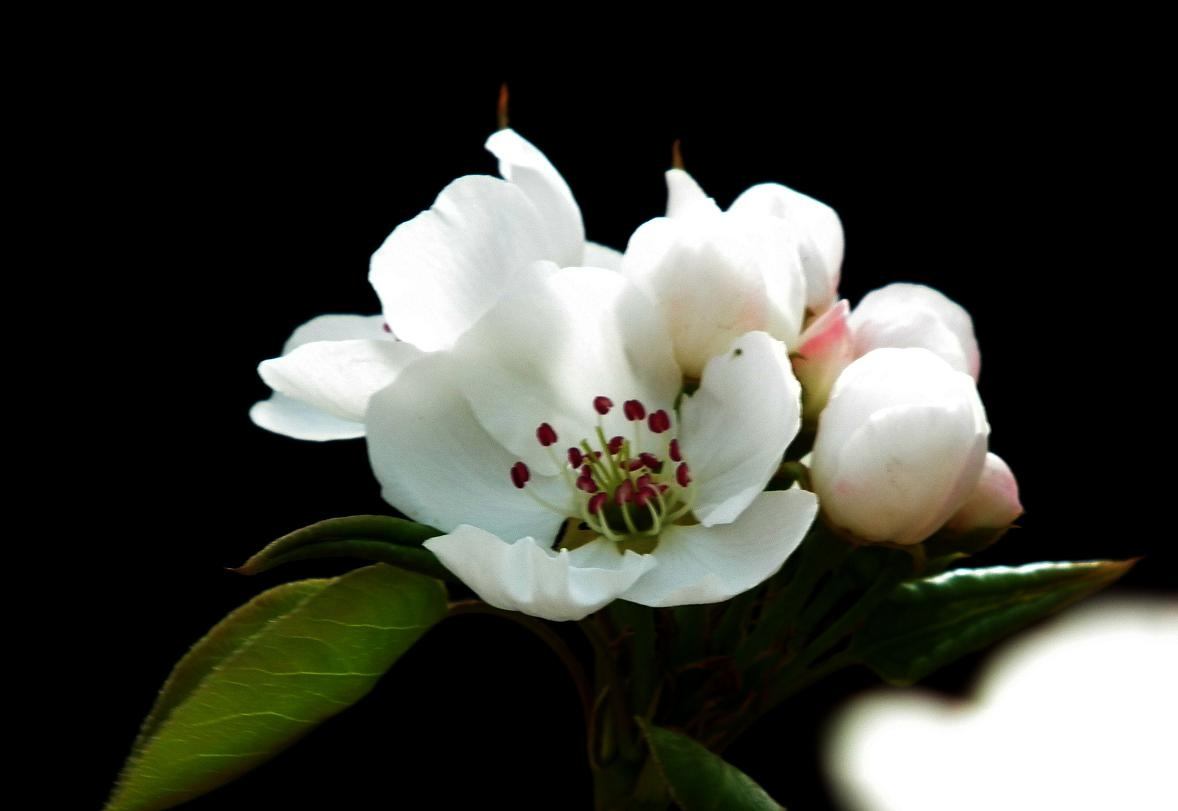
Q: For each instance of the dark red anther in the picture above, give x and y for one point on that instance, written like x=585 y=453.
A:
x=602 y=405
x=546 y=434
x=586 y=470
x=520 y=475
x=634 y=410
x=386 y=328
x=635 y=464
x=643 y=481
x=651 y=461
x=587 y=484
x=645 y=495
x=659 y=421
x=596 y=502
x=683 y=475
x=596 y=454
x=676 y=454
x=616 y=444
x=575 y=457
x=625 y=493
x=663 y=488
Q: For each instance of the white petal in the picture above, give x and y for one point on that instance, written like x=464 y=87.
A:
x=287 y=416
x=338 y=377
x=700 y=564
x=817 y=229
x=527 y=167
x=685 y=197
x=716 y=278
x=338 y=328
x=737 y=425
x=551 y=345
x=913 y=315
x=439 y=272
x=437 y=464
x=601 y=256
x=528 y=576
x=294 y=418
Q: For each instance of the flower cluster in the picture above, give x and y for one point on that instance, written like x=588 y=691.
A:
x=585 y=425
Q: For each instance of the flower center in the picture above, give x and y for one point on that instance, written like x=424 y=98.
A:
x=624 y=488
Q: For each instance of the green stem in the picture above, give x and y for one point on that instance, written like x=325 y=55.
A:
x=546 y=635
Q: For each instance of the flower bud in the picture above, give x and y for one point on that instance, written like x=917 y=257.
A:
x=913 y=315
x=826 y=348
x=994 y=502
x=899 y=447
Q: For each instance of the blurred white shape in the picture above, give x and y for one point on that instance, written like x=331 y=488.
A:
x=1082 y=714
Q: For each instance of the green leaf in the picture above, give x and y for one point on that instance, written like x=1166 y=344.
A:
x=379 y=538
x=267 y=674
x=700 y=780
x=926 y=624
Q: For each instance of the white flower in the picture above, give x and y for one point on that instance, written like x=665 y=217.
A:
x=717 y=275
x=496 y=442
x=900 y=446
x=1079 y=715
x=435 y=275
x=913 y=315
x=993 y=504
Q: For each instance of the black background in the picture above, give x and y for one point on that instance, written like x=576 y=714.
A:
x=243 y=196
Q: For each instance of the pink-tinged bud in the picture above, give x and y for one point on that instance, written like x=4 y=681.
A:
x=587 y=484
x=659 y=421
x=625 y=493
x=602 y=405
x=520 y=475
x=615 y=444
x=683 y=475
x=913 y=315
x=900 y=446
x=827 y=347
x=596 y=503
x=575 y=457
x=634 y=410
x=994 y=502
x=676 y=454
x=546 y=434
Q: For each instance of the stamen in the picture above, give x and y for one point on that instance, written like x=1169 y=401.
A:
x=651 y=461
x=520 y=475
x=575 y=457
x=615 y=444
x=634 y=410
x=596 y=502
x=624 y=493
x=674 y=452
x=587 y=484
x=602 y=405
x=659 y=421
x=683 y=475
x=546 y=434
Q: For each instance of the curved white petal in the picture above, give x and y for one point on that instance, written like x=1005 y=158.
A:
x=716 y=278
x=338 y=377
x=290 y=417
x=817 y=229
x=601 y=256
x=528 y=576
x=700 y=564
x=914 y=315
x=437 y=464
x=736 y=426
x=441 y=271
x=685 y=197
x=338 y=328
x=300 y=420
x=553 y=343
x=526 y=166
